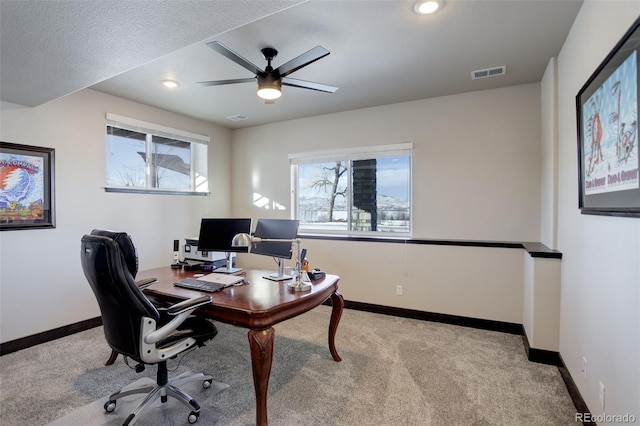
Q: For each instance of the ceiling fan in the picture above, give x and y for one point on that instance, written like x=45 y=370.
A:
x=270 y=80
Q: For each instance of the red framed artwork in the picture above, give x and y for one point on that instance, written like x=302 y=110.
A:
x=26 y=187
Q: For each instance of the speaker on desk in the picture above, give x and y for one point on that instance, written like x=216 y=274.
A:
x=176 y=255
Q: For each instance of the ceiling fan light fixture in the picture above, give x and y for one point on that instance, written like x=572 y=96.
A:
x=270 y=80
x=269 y=88
x=269 y=93
x=423 y=7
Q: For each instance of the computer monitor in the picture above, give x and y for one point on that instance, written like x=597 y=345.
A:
x=280 y=229
x=216 y=235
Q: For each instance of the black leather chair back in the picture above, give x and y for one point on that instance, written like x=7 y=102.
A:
x=122 y=304
x=127 y=247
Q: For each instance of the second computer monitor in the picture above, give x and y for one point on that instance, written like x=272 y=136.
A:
x=277 y=229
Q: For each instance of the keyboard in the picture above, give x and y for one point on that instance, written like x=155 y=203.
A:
x=200 y=285
x=146 y=281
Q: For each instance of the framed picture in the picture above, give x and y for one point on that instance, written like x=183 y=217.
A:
x=26 y=187
x=607 y=112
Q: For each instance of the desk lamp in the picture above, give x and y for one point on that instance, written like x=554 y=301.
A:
x=300 y=284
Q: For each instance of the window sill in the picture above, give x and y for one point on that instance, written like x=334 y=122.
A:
x=153 y=191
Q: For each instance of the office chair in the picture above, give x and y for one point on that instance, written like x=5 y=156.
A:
x=135 y=328
x=128 y=250
x=127 y=247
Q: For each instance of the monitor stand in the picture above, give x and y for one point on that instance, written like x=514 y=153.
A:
x=279 y=276
x=229 y=269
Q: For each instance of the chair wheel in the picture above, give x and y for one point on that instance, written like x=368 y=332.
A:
x=206 y=384
x=193 y=417
x=109 y=406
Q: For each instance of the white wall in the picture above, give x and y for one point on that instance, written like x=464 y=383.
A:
x=476 y=159
x=476 y=176
x=541 y=310
x=549 y=145
x=600 y=310
x=471 y=282
x=41 y=282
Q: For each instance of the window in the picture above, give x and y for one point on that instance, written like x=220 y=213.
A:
x=365 y=191
x=145 y=157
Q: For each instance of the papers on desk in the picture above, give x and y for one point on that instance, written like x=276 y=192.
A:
x=223 y=279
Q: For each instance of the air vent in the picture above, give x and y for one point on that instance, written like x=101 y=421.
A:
x=489 y=72
x=237 y=117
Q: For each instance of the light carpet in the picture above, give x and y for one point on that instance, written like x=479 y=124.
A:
x=394 y=371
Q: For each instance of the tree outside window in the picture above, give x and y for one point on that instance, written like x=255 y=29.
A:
x=363 y=195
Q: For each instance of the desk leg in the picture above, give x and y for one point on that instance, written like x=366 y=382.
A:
x=112 y=358
x=337 y=303
x=261 y=344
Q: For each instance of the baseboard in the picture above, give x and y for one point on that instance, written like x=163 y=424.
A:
x=504 y=327
x=554 y=358
x=483 y=324
x=576 y=397
x=46 y=336
x=541 y=356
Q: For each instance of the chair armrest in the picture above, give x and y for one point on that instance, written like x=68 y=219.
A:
x=145 y=282
x=188 y=305
x=180 y=312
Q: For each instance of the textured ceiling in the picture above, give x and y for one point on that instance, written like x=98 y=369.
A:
x=381 y=52
x=52 y=48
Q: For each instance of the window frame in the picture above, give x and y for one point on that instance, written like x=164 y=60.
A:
x=199 y=145
x=349 y=155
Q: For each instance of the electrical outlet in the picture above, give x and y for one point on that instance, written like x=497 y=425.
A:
x=601 y=395
x=399 y=290
x=584 y=368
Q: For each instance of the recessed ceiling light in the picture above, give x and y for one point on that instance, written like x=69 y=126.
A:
x=423 y=7
x=171 y=84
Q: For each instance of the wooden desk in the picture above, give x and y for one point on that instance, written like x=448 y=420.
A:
x=257 y=306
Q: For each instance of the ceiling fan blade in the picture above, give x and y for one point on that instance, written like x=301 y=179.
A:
x=308 y=85
x=223 y=82
x=303 y=60
x=230 y=54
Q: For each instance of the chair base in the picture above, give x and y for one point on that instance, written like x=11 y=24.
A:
x=170 y=389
